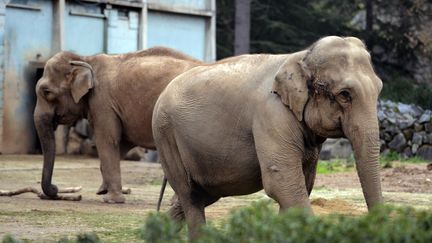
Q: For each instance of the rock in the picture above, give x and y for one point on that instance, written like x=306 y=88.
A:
x=428 y=127
x=383 y=145
x=392 y=120
x=425 y=117
x=387 y=137
x=82 y=128
x=407 y=122
x=88 y=147
x=398 y=143
x=151 y=156
x=414 y=148
x=404 y=108
x=392 y=129
x=407 y=152
x=381 y=116
x=408 y=133
x=384 y=124
x=427 y=138
x=136 y=154
x=417 y=138
x=417 y=111
x=425 y=152
x=74 y=143
x=418 y=127
x=336 y=148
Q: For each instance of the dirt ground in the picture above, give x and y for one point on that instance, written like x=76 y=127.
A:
x=28 y=217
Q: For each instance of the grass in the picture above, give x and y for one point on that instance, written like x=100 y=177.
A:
x=112 y=227
x=388 y=160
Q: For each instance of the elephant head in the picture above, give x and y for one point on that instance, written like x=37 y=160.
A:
x=333 y=90
x=60 y=100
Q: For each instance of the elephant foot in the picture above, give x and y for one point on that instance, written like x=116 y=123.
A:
x=114 y=198
x=103 y=189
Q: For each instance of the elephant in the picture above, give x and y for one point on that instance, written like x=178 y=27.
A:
x=258 y=121
x=116 y=93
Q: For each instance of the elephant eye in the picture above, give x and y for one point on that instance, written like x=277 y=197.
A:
x=345 y=96
x=47 y=93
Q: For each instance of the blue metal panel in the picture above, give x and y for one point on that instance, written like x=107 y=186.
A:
x=27 y=38
x=122 y=31
x=84 y=29
x=182 y=32
x=186 y=4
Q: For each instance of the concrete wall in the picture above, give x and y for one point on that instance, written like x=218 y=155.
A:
x=2 y=25
x=32 y=31
x=27 y=38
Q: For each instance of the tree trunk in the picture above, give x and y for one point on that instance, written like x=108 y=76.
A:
x=242 y=27
x=369 y=15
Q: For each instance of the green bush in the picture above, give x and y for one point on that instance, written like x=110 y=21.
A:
x=261 y=223
x=81 y=238
x=160 y=228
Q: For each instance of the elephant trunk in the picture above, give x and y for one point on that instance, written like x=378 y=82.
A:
x=45 y=127
x=365 y=142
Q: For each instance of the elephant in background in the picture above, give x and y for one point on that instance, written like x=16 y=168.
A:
x=258 y=121
x=116 y=93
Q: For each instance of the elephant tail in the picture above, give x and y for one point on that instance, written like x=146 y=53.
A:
x=161 y=193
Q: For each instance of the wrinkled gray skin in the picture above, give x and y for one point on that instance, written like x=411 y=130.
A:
x=116 y=93
x=258 y=121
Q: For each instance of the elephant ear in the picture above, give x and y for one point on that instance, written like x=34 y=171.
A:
x=291 y=85
x=83 y=79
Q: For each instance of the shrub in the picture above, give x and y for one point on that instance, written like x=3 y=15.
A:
x=260 y=223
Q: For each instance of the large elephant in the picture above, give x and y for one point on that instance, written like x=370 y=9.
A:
x=258 y=121
x=117 y=93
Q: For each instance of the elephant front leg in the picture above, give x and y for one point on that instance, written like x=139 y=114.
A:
x=280 y=153
x=107 y=138
x=310 y=162
x=124 y=149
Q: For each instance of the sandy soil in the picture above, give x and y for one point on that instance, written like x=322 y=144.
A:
x=28 y=217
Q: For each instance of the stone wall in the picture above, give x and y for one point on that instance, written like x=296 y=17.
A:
x=405 y=129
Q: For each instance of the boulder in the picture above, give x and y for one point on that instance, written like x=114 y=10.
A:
x=74 y=143
x=82 y=128
x=428 y=138
x=417 y=138
x=398 y=143
x=406 y=122
x=381 y=115
x=408 y=133
x=418 y=127
x=425 y=152
x=428 y=127
x=406 y=153
x=336 y=148
x=151 y=156
x=425 y=117
x=414 y=148
x=136 y=154
x=88 y=147
x=392 y=130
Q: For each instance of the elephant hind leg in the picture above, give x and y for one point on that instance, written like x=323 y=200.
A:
x=176 y=211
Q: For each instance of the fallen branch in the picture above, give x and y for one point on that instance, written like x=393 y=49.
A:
x=126 y=190
x=45 y=197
